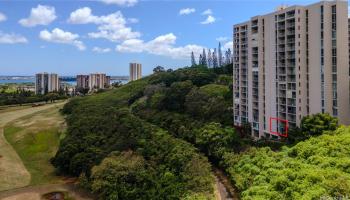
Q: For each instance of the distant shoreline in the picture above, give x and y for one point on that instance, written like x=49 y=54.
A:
x=66 y=79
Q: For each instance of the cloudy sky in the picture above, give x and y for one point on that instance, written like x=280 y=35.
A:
x=75 y=36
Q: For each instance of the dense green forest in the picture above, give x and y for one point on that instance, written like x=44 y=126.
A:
x=316 y=168
x=156 y=138
x=103 y=133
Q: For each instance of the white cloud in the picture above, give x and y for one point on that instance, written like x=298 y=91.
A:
x=133 y=20
x=210 y=19
x=59 y=36
x=127 y=3
x=111 y=27
x=83 y=16
x=131 y=46
x=41 y=15
x=207 y=12
x=162 y=45
x=222 y=39
x=187 y=11
x=11 y=38
x=2 y=17
x=101 y=50
x=228 y=45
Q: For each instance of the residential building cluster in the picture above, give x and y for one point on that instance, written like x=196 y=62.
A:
x=46 y=83
x=93 y=81
x=289 y=64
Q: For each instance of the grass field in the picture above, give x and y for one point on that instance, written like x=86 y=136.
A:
x=35 y=138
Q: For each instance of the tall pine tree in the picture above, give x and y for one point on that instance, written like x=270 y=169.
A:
x=210 y=59
x=193 y=60
x=200 y=62
x=215 y=59
x=204 y=58
x=220 y=55
x=228 y=56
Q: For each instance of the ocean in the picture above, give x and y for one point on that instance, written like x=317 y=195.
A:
x=32 y=80
x=4 y=81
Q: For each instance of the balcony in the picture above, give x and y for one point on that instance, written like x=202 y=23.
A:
x=282 y=115
x=290 y=14
x=291 y=40
x=291 y=47
x=282 y=78
x=237 y=101
x=281 y=49
x=290 y=56
x=291 y=32
x=291 y=110
x=291 y=78
x=291 y=86
x=281 y=43
x=255 y=126
x=291 y=94
x=282 y=102
x=291 y=102
x=237 y=119
x=291 y=118
x=282 y=93
x=281 y=58
x=282 y=86
x=281 y=17
x=291 y=63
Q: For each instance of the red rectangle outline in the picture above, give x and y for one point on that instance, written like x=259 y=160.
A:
x=278 y=133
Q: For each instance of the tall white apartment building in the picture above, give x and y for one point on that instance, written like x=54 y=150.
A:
x=45 y=83
x=135 y=71
x=98 y=81
x=289 y=64
x=82 y=81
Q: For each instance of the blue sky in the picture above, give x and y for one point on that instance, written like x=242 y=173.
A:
x=80 y=37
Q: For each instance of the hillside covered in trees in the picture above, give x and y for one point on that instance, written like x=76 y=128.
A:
x=156 y=138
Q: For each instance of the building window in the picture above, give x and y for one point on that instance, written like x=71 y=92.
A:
x=322 y=63
x=334 y=61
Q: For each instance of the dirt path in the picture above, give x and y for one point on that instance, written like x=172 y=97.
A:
x=35 y=192
x=224 y=189
x=12 y=171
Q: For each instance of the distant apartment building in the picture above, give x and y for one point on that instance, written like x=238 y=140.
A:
x=83 y=81
x=108 y=81
x=289 y=64
x=45 y=83
x=135 y=71
x=98 y=81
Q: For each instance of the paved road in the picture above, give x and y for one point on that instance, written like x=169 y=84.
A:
x=12 y=171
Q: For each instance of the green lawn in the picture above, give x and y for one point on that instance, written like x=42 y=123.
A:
x=36 y=139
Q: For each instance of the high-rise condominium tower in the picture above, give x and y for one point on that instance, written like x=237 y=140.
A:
x=98 y=81
x=45 y=83
x=291 y=63
x=135 y=71
x=83 y=81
